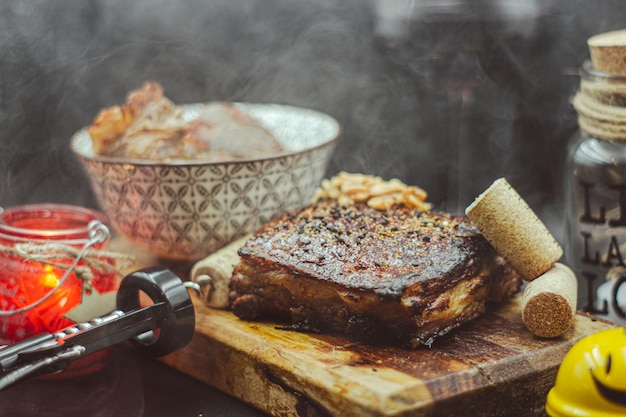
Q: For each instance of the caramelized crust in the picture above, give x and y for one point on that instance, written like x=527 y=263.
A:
x=400 y=275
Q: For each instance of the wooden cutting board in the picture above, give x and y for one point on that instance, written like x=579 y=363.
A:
x=490 y=367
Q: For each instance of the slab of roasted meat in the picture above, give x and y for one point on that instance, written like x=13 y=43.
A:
x=400 y=276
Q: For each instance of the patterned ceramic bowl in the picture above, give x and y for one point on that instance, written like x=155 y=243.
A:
x=186 y=210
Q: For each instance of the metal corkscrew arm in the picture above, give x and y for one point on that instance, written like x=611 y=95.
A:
x=171 y=313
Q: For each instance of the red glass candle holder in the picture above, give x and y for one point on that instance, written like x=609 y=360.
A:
x=34 y=298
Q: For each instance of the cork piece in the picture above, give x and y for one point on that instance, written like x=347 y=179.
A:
x=608 y=51
x=514 y=230
x=549 y=302
x=213 y=273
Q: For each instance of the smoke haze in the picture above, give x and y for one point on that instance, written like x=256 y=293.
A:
x=447 y=95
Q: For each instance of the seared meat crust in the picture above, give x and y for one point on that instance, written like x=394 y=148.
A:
x=400 y=276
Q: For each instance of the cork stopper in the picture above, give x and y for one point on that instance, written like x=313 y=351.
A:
x=608 y=51
x=549 y=302
x=513 y=229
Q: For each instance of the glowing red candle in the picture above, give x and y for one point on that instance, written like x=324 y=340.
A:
x=32 y=287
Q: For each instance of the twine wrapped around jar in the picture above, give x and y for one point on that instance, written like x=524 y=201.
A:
x=96 y=261
x=601 y=104
x=601 y=99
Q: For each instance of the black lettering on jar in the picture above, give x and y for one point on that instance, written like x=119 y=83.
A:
x=586 y=217
x=614 y=301
x=613 y=253
x=586 y=259
x=591 y=296
x=621 y=198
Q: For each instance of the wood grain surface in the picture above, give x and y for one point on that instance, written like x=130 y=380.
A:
x=490 y=367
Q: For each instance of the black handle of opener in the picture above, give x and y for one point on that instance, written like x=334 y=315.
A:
x=176 y=325
x=157 y=330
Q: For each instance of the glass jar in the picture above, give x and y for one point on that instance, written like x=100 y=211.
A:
x=595 y=243
x=36 y=243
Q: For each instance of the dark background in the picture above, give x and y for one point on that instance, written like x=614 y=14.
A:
x=448 y=95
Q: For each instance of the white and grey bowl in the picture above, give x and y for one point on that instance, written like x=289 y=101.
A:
x=185 y=210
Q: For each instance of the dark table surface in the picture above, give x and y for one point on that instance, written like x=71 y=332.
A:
x=130 y=385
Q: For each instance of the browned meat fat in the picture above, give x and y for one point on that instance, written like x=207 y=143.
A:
x=400 y=276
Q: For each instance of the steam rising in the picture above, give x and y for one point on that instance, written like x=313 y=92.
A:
x=448 y=95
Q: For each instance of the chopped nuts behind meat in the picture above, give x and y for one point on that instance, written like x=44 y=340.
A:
x=348 y=188
x=344 y=200
x=362 y=196
x=385 y=202
x=352 y=188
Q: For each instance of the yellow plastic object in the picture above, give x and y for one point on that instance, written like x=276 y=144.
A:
x=592 y=378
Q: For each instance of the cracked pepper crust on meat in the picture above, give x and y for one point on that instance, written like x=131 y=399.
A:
x=401 y=276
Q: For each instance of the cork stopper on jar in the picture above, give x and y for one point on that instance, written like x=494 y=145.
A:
x=608 y=51
x=513 y=229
